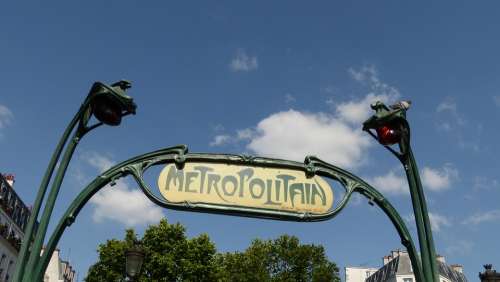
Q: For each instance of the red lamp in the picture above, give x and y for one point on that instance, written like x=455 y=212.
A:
x=388 y=134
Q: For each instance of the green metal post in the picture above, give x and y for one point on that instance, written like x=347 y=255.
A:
x=28 y=234
x=67 y=219
x=74 y=208
x=393 y=123
x=423 y=222
x=49 y=206
x=115 y=94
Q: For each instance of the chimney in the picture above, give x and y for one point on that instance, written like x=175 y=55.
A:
x=10 y=179
x=489 y=274
x=457 y=267
x=440 y=258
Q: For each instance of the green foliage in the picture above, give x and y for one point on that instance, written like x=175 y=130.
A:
x=280 y=260
x=170 y=256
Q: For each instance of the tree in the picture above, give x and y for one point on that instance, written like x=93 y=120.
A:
x=279 y=260
x=171 y=256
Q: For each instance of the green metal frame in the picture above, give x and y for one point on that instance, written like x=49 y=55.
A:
x=395 y=116
x=31 y=263
x=27 y=258
x=178 y=155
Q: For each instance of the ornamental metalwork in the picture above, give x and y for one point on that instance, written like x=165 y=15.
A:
x=238 y=185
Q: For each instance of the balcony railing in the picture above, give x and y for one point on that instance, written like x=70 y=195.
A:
x=11 y=237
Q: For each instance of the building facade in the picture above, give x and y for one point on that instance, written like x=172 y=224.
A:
x=358 y=274
x=397 y=268
x=59 y=270
x=14 y=216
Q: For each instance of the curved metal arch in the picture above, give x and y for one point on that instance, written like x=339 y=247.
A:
x=179 y=155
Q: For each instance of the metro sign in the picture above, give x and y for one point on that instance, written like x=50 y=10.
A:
x=235 y=185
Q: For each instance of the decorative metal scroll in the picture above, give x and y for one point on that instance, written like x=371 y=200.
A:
x=246 y=186
x=311 y=171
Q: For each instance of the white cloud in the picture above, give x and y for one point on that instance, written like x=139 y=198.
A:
x=245 y=134
x=437 y=221
x=218 y=128
x=496 y=99
x=448 y=105
x=293 y=135
x=220 y=140
x=330 y=89
x=481 y=217
x=357 y=111
x=397 y=184
x=460 y=247
x=368 y=74
x=79 y=176
x=120 y=203
x=224 y=139
x=449 y=119
x=6 y=116
x=289 y=98
x=356 y=199
x=243 y=62
x=453 y=119
x=335 y=137
x=484 y=183
x=439 y=179
x=391 y=183
x=98 y=161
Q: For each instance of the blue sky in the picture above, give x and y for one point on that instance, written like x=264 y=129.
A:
x=249 y=77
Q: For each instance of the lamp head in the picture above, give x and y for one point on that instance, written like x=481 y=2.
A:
x=388 y=134
x=134 y=257
x=388 y=122
x=109 y=103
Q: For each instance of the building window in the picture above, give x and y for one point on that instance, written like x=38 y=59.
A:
x=407 y=279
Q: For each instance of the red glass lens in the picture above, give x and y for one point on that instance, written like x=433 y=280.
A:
x=388 y=135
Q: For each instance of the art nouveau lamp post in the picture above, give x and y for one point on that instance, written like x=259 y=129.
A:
x=392 y=128
x=108 y=104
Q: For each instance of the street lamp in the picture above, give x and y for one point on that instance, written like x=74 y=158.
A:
x=391 y=128
x=134 y=256
x=108 y=104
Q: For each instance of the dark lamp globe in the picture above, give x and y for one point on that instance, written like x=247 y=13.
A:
x=133 y=262
x=107 y=110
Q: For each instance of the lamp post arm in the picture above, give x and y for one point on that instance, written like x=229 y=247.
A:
x=28 y=234
x=67 y=219
x=112 y=174
x=51 y=200
x=425 y=237
x=357 y=184
x=393 y=128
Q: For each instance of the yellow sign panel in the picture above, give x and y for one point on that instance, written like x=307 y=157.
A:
x=246 y=186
